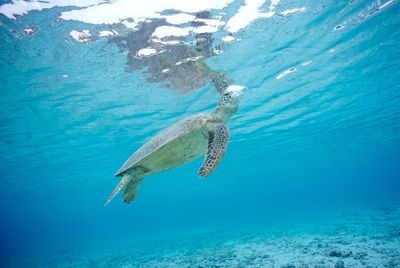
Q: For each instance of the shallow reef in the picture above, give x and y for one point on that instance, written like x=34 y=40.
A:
x=370 y=238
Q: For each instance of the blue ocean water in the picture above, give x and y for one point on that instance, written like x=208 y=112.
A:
x=317 y=132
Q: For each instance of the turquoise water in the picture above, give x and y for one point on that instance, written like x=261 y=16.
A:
x=307 y=146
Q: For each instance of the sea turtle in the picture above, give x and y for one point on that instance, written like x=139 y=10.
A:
x=202 y=134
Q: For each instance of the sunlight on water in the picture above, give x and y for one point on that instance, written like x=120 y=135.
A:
x=84 y=84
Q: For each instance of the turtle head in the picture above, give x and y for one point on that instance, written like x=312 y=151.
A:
x=228 y=104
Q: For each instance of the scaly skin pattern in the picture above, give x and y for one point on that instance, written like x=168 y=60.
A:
x=178 y=144
x=217 y=145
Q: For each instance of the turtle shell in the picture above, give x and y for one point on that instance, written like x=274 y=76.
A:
x=181 y=128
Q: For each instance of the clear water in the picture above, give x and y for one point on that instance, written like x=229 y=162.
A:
x=322 y=138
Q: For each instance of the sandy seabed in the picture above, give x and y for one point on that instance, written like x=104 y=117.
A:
x=351 y=238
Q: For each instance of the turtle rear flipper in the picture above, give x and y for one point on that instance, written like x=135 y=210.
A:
x=131 y=183
x=132 y=189
x=124 y=181
x=217 y=144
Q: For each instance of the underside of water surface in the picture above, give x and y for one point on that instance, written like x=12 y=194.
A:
x=300 y=133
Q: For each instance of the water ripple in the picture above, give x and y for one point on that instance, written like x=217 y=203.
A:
x=313 y=78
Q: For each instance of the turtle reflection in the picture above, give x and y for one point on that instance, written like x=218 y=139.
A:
x=178 y=64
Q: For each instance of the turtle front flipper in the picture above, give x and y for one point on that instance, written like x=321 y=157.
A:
x=218 y=139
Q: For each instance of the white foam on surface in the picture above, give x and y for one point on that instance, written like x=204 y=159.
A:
x=146 y=52
x=339 y=27
x=188 y=59
x=164 y=31
x=132 y=12
x=285 y=73
x=170 y=42
x=216 y=51
x=274 y=4
x=228 y=39
x=117 y=11
x=211 y=22
x=180 y=18
x=205 y=29
x=130 y=24
x=20 y=7
x=246 y=14
x=235 y=89
x=30 y=30
x=138 y=10
x=211 y=26
x=81 y=36
x=386 y=4
x=292 y=11
x=106 y=33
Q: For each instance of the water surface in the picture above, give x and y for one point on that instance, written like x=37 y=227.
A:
x=318 y=126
